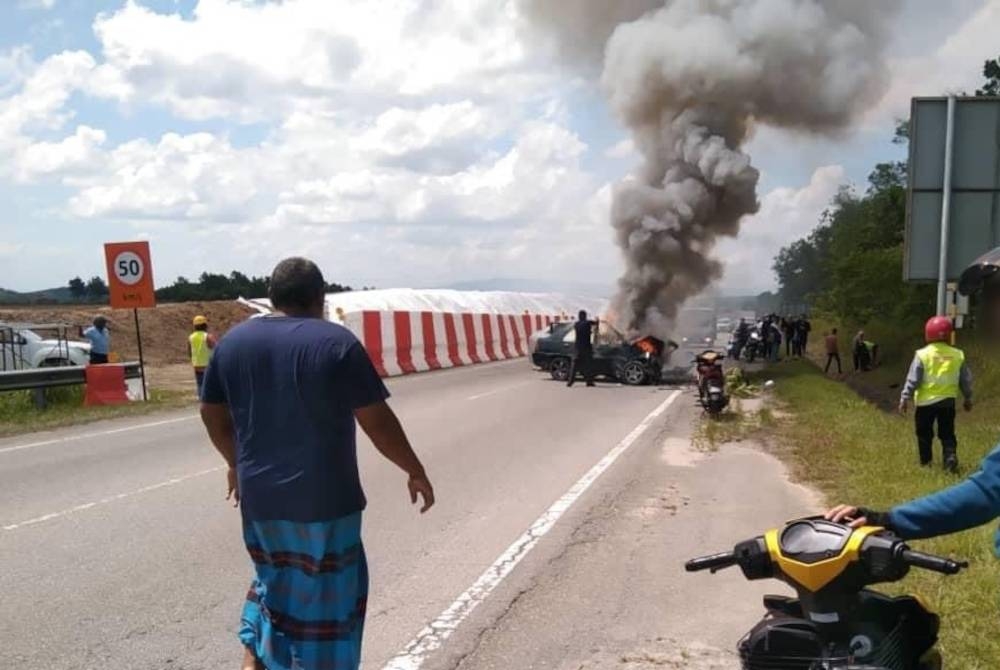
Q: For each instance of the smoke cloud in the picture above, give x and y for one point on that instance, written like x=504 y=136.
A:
x=690 y=79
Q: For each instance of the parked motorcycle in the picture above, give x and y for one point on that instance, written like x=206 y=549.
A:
x=836 y=623
x=711 y=382
x=754 y=346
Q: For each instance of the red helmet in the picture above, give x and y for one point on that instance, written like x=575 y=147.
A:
x=938 y=329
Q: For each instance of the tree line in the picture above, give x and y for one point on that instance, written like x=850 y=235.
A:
x=208 y=286
x=851 y=265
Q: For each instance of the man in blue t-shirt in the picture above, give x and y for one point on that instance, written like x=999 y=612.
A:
x=100 y=340
x=280 y=399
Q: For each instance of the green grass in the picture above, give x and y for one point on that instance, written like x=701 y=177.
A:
x=855 y=453
x=18 y=413
x=736 y=424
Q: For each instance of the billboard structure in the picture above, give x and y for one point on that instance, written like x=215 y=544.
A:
x=953 y=203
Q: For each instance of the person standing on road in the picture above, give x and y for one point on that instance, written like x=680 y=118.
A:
x=583 y=361
x=937 y=374
x=280 y=398
x=200 y=346
x=833 y=352
x=100 y=340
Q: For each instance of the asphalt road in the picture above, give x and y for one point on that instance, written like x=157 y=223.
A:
x=118 y=551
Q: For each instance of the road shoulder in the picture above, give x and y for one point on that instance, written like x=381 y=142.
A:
x=616 y=596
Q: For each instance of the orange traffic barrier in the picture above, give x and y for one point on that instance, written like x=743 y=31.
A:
x=105 y=385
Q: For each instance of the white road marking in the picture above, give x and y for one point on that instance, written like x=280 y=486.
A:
x=434 y=635
x=110 y=499
x=499 y=390
x=84 y=436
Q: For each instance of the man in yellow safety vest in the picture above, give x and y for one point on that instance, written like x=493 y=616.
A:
x=937 y=375
x=200 y=345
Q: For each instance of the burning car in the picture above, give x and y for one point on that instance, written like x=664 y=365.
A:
x=633 y=362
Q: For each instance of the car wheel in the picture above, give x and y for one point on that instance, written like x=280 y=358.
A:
x=54 y=363
x=634 y=373
x=559 y=369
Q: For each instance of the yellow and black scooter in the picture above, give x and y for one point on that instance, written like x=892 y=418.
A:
x=836 y=623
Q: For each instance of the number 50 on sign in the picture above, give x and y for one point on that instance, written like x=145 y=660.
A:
x=130 y=275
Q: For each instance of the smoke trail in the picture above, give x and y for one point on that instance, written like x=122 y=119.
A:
x=690 y=79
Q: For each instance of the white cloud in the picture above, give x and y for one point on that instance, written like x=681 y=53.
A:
x=78 y=152
x=260 y=61
x=9 y=249
x=625 y=149
x=786 y=214
x=44 y=91
x=37 y=4
x=953 y=65
x=196 y=177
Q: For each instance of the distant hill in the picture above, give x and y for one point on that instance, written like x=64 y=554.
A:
x=45 y=297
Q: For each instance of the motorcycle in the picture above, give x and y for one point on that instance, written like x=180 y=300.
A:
x=754 y=346
x=836 y=622
x=711 y=382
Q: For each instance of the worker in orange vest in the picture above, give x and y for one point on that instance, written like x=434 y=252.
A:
x=200 y=346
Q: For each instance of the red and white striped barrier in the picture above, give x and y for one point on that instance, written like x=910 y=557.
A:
x=402 y=343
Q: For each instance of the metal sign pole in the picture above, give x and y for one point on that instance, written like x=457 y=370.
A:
x=142 y=364
x=949 y=144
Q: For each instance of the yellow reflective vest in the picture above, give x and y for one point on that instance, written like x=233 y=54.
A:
x=201 y=353
x=942 y=373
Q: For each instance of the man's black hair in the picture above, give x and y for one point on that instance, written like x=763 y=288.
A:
x=296 y=284
x=582 y=315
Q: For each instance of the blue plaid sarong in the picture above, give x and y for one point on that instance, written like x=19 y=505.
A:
x=306 y=607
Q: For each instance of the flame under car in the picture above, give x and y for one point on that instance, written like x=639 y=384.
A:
x=633 y=362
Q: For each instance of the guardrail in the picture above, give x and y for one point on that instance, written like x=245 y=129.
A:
x=39 y=378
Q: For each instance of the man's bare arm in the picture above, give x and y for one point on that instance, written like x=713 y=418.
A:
x=381 y=425
x=219 y=425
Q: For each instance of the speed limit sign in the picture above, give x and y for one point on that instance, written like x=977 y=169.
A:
x=130 y=275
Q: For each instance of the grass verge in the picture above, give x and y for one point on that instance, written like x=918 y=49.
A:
x=18 y=414
x=854 y=452
x=745 y=419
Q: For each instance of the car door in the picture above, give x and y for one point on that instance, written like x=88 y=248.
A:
x=609 y=350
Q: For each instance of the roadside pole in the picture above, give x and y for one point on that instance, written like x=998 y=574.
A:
x=130 y=286
x=142 y=362
x=949 y=144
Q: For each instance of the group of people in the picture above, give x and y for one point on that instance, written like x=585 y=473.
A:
x=863 y=351
x=774 y=330
x=200 y=344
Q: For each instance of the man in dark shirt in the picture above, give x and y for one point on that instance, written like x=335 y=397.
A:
x=280 y=399
x=583 y=362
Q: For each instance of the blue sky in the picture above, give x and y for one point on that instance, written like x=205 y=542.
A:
x=397 y=149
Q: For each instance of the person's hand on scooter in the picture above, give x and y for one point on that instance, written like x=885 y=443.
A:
x=849 y=515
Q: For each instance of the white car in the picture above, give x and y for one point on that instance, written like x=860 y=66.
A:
x=31 y=350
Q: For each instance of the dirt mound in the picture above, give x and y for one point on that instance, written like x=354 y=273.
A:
x=164 y=329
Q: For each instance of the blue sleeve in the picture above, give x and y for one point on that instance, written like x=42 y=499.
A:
x=965 y=381
x=913 y=379
x=966 y=505
x=213 y=390
x=358 y=383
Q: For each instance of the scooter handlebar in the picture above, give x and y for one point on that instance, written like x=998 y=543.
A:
x=714 y=563
x=945 y=566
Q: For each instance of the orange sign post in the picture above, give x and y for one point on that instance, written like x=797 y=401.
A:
x=130 y=285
